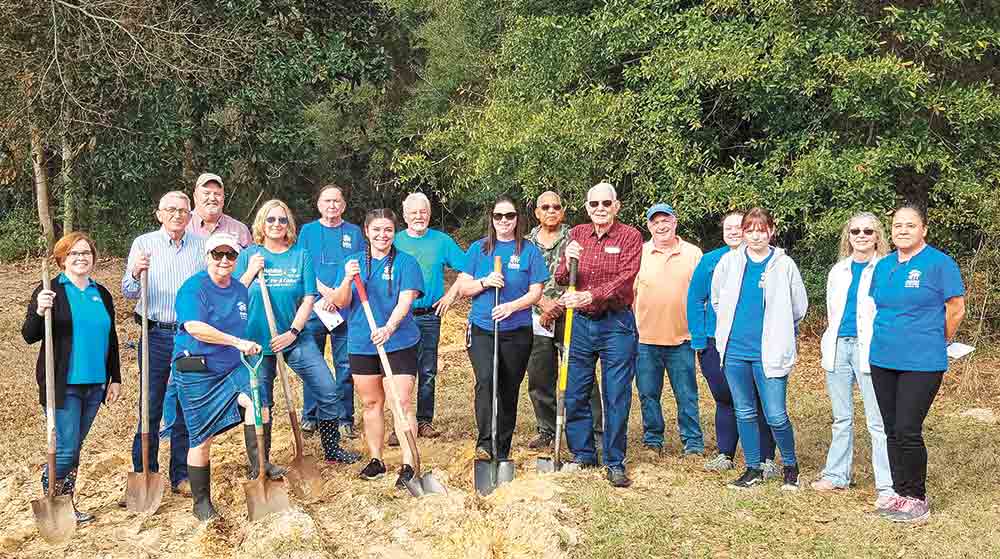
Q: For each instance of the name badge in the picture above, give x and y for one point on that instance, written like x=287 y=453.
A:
x=612 y=250
x=346 y=241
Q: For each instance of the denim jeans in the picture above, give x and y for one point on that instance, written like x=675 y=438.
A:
x=840 y=385
x=427 y=364
x=342 y=371
x=679 y=362
x=726 y=434
x=305 y=359
x=73 y=422
x=161 y=348
x=614 y=340
x=747 y=380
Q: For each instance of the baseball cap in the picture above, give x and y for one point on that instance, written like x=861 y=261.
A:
x=222 y=239
x=659 y=209
x=208 y=177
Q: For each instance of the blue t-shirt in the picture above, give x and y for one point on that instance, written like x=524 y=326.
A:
x=849 y=322
x=433 y=252
x=223 y=308
x=700 y=313
x=329 y=248
x=519 y=272
x=909 y=310
x=748 y=321
x=91 y=332
x=383 y=297
x=289 y=277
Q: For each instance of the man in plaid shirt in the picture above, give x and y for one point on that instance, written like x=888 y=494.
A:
x=604 y=328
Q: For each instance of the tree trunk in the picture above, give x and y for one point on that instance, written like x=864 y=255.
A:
x=41 y=171
x=68 y=186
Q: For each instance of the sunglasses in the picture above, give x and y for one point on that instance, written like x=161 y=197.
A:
x=218 y=255
x=868 y=232
x=605 y=203
x=553 y=207
x=509 y=216
x=281 y=220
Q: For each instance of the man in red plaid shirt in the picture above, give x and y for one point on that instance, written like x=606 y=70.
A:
x=604 y=328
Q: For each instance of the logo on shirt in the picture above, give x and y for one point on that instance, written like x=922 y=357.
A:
x=346 y=241
x=913 y=279
x=515 y=262
x=387 y=274
x=242 y=307
x=96 y=299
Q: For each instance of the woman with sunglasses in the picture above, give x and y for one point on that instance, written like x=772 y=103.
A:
x=85 y=352
x=291 y=285
x=758 y=349
x=919 y=304
x=523 y=272
x=850 y=313
x=393 y=280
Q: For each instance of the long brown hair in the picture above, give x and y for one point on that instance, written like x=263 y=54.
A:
x=372 y=215
x=491 y=231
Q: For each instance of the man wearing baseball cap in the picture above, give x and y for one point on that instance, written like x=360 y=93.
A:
x=209 y=201
x=661 y=287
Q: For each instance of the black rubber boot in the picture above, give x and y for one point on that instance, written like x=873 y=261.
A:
x=201 y=492
x=250 y=439
x=329 y=435
x=69 y=488
x=273 y=472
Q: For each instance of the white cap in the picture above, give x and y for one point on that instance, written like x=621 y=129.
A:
x=222 y=239
x=208 y=177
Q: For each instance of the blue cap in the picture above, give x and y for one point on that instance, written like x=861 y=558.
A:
x=659 y=209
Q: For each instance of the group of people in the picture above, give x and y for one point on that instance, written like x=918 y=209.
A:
x=645 y=310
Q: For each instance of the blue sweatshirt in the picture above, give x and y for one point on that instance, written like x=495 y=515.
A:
x=700 y=314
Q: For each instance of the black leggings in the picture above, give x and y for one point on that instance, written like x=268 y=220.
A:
x=904 y=398
x=515 y=349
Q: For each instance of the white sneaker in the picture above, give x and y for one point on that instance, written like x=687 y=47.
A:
x=719 y=464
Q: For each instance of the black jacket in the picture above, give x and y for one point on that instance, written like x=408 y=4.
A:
x=33 y=331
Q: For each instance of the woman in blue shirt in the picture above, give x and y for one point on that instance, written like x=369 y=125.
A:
x=392 y=281
x=291 y=285
x=85 y=353
x=523 y=272
x=919 y=304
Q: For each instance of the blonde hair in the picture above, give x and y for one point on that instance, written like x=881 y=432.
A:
x=291 y=233
x=881 y=244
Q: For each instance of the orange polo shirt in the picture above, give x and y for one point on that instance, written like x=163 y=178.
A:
x=661 y=289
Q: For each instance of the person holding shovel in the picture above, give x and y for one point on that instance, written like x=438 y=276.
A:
x=393 y=281
x=85 y=349
x=291 y=283
x=520 y=279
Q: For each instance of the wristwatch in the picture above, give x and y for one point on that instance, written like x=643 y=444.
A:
x=294 y=331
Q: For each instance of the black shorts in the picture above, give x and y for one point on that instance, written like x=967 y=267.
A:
x=403 y=362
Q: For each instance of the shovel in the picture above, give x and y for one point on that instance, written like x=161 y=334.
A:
x=304 y=472
x=419 y=485
x=488 y=474
x=145 y=489
x=554 y=463
x=264 y=495
x=53 y=513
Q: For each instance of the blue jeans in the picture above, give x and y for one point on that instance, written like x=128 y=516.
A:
x=747 y=380
x=168 y=410
x=840 y=385
x=73 y=422
x=161 y=347
x=427 y=364
x=613 y=339
x=306 y=360
x=726 y=434
x=678 y=360
x=344 y=390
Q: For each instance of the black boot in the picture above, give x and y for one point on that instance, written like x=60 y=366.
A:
x=273 y=472
x=253 y=468
x=329 y=435
x=69 y=488
x=201 y=492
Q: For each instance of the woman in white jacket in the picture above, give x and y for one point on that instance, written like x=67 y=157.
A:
x=759 y=297
x=850 y=313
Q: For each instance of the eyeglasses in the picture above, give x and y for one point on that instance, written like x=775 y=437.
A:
x=282 y=220
x=857 y=231
x=509 y=216
x=176 y=211
x=553 y=207
x=218 y=255
x=79 y=253
x=605 y=203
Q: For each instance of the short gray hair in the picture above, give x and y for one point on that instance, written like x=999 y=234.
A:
x=538 y=200
x=604 y=185
x=174 y=194
x=415 y=197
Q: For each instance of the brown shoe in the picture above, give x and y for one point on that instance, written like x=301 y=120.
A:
x=427 y=431
x=393 y=440
x=183 y=488
x=541 y=440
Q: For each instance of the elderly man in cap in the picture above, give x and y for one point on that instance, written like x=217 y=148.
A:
x=208 y=218
x=609 y=253
x=169 y=256
x=661 y=287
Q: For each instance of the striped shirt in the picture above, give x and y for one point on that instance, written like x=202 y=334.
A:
x=170 y=266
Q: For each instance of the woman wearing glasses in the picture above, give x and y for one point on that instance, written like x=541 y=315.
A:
x=845 y=345
x=523 y=272
x=919 y=304
x=291 y=285
x=85 y=347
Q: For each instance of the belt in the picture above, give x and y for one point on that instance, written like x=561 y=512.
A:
x=423 y=311
x=168 y=326
x=603 y=314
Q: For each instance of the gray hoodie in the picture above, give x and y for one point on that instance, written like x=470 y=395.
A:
x=785 y=304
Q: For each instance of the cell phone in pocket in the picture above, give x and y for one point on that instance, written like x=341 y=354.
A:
x=191 y=364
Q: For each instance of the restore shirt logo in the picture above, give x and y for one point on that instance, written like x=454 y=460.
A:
x=913 y=279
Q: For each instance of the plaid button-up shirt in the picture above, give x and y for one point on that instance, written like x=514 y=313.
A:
x=608 y=266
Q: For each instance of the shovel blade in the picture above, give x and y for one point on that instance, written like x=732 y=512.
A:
x=55 y=519
x=505 y=472
x=306 y=482
x=144 y=492
x=545 y=465
x=264 y=497
x=431 y=485
x=484 y=474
